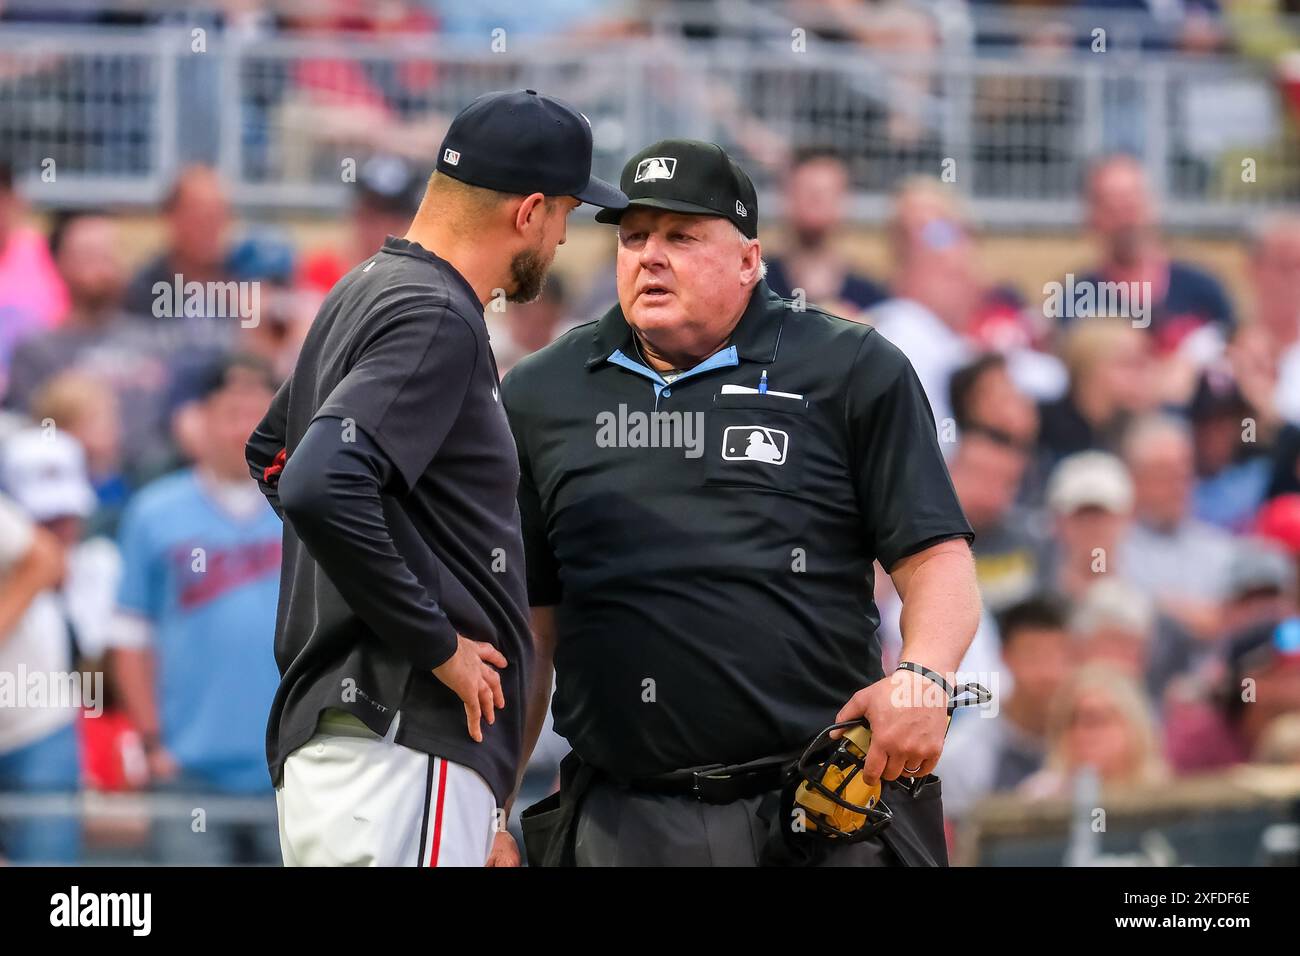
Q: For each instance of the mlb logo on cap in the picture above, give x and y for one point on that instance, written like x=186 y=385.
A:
x=452 y=157
x=656 y=167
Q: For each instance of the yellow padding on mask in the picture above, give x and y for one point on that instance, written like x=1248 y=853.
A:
x=858 y=791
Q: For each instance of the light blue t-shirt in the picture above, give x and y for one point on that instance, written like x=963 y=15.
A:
x=208 y=582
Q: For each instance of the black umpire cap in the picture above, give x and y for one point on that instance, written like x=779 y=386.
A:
x=522 y=141
x=687 y=175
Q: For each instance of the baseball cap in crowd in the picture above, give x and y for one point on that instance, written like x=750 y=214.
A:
x=266 y=257
x=1090 y=479
x=390 y=184
x=1279 y=521
x=1217 y=395
x=1259 y=566
x=522 y=141
x=45 y=473
x=687 y=175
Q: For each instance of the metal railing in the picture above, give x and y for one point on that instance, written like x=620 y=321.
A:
x=144 y=828
x=113 y=112
x=87 y=115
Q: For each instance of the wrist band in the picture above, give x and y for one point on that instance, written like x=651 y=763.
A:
x=926 y=672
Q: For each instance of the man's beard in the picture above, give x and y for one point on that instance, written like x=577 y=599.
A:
x=528 y=273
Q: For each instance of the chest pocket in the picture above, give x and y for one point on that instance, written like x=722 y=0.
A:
x=756 y=441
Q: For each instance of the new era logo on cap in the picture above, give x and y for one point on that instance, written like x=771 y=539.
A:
x=740 y=209
x=655 y=167
x=451 y=156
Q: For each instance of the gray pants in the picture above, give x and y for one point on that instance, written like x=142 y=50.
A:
x=619 y=827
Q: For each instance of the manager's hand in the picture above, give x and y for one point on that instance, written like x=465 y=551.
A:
x=471 y=674
x=908 y=714
x=505 y=852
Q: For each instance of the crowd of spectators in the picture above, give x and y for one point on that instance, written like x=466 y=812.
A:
x=1132 y=475
x=1192 y=25
x=360 y=78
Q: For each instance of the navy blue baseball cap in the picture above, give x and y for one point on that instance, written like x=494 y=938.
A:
x=522 y=141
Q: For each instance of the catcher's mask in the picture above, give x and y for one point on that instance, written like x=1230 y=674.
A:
x=837 y=801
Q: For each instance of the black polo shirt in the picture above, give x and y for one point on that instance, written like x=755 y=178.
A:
x=714 y=601
x=406 y=530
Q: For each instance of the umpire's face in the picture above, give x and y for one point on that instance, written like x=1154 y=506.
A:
x=683 y=280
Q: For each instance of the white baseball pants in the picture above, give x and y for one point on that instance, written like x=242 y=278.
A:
x=352 y=798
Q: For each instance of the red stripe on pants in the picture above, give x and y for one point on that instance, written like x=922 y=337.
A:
x=437 y=819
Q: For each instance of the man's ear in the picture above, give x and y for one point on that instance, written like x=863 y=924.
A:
x=531 y=212
x=750 y=261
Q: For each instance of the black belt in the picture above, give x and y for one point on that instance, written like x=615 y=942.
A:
x=719 y=783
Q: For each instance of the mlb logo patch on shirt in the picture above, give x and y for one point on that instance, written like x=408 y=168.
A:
x=755 y=443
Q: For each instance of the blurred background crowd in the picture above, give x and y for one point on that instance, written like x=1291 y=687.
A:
x=977 y=180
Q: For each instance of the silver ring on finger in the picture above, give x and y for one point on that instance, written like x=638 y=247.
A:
x=912 y=770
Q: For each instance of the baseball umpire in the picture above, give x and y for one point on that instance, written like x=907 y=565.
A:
x=707 y=474
x=402 y=623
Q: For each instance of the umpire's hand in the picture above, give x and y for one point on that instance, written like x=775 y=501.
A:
x=908 y=715
x=471 y=674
